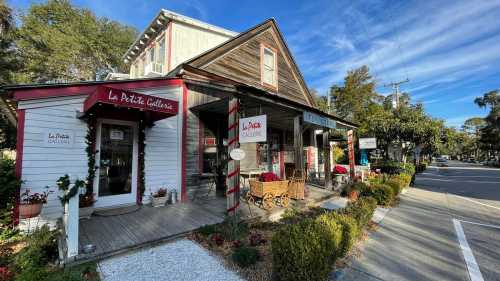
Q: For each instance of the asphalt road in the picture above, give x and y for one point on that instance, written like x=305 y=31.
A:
x=446 y=228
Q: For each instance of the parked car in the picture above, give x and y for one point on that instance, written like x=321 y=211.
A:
x=441 y=162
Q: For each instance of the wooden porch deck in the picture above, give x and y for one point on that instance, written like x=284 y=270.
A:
x=117 y=233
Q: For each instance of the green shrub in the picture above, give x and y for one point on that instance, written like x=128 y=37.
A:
x=9 y=183
x=380 y=192
x=395 y=184
x=33 y=273
x=350 y=233
x=41 y=248
x=408 y=168
x=208 y=229
x=361 y=210
x=334 y=230
x=302 y=251
x=245 y=256
x=356 y=186
x=405 y=179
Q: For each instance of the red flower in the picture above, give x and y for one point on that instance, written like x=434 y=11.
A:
x=339 y=170
x=269 y=176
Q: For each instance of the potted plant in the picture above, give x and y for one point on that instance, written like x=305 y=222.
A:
x=339 y=172
x=159 y=198
x=86 y=205
x=31 y=203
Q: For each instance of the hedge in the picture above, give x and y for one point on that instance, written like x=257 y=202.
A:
x=303 y=251
x=361 y=210
x=380 y=192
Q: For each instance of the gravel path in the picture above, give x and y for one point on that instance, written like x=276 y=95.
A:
x=179 y=260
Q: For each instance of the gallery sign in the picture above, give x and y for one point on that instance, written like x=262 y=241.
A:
x=130 y=99
x=253 y=129
x=367 y=143
x=319 y=120
x=58 y=138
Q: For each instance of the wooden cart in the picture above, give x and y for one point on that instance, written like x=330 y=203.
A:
x=268 y=194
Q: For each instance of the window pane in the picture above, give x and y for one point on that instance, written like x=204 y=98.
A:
x=268 y=58
x=152 y=54
x=161 y=51
x=268 y=76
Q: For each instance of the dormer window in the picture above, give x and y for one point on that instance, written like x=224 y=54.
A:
x=269 y=67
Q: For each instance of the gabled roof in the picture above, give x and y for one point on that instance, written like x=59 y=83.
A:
x=160 y=21
x=219 y=51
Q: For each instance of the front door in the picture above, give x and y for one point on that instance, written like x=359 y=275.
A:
x=116 y=175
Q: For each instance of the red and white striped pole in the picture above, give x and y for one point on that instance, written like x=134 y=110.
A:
x=233 y=166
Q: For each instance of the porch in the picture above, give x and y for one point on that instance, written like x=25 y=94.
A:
x=129 y=229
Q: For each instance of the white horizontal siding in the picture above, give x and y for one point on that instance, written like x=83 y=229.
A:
x=42 y=166
x=162 y=157
x=189 y=41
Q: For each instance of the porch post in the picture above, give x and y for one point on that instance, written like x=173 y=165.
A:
x=326 y=151
x=71 y=220
x=233 y=166
x=297 y=143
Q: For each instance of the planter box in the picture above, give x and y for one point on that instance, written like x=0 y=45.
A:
x=86 y=213
x=158 y=201
x=27 y=211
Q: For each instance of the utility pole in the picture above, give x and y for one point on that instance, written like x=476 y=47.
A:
x=395 y=87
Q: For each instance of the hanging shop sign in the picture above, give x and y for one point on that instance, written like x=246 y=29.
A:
x=367 y=143
x=253 y=129
x=237 y=154
x=58 y=138
x=319 y=120
x=350 y=145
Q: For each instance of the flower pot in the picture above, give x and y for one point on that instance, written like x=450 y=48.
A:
x=27 y=211
x=158 y=201
x=86 y=212
x=353 y=195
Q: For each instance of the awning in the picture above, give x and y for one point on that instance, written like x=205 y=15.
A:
x=156 y=107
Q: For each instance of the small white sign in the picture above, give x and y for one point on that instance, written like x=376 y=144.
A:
x=116 y=134
x=253 y=129
x=58 y=138
x=367 y=143
x=237 y=154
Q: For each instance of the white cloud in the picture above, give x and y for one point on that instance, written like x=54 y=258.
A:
x=432 y=43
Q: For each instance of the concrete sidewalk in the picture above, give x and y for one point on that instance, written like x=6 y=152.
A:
x=415 y=241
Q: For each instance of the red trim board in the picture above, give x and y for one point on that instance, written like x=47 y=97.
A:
x=21 y=117
x=86 y=89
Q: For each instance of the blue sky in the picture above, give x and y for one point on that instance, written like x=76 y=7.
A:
x=450 y=50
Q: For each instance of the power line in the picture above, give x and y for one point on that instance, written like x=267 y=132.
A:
x=396 y=87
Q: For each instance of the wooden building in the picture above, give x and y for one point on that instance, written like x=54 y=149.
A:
x=175 y=130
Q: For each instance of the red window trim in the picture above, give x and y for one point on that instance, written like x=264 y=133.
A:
x=275 y=52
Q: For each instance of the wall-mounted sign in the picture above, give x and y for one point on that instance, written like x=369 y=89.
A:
x=58 y=138
x=253 y=129
x=237 y=154
x=367 y=143
x=116 y=134
x=319 y=120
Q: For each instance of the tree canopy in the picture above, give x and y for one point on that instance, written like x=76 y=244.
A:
x=60 y=42
x=490 y=131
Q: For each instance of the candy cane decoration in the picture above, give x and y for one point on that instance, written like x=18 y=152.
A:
x=233 y=166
